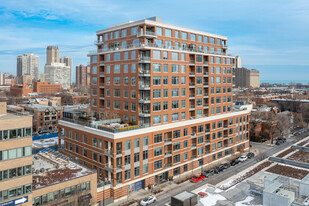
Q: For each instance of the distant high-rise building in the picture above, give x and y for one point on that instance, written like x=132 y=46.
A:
x=52 y=55
x=247 y=77
x=43 y=77
x=58 y=73
x=2 y=77
x=68 y=62
x=82 y=76
x=28 y=64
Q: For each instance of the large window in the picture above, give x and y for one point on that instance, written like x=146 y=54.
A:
x=15 y=153
x=15 y=133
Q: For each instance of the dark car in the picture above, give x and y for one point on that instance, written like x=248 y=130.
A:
x=221 y=168
x=235 y=162
x=227 y=165
x=278 y=142
x=283 y=140
x=263 y=139
x=250 y=155
x=208 y=173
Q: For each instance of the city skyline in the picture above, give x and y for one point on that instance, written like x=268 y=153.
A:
x=261 y=33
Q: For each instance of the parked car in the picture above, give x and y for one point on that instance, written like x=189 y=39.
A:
x=283 y=140
x=197 y=178
x=243 y=158
x=263 y=139
x=235 y=162
x=279 y=141
x=221 y=168
x=250 y=155
x=148 y=200
x=208 y=173
x=227 y=165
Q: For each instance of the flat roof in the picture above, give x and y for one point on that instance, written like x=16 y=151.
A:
x=51 y=167
x=14 y=115
x=184 y=195
x=152 y=21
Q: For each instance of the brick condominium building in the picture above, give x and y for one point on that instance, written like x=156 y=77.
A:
x=162 y=97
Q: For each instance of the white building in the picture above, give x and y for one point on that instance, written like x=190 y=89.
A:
x=2 y=77
x=68 y=62
x=58 y=73
x=28 y=64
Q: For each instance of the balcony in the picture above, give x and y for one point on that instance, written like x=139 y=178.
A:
x=98 y=42
x=101 y=74
x=148 y=34
x=191 y=85
x=145 y=73
x=102 y=63
x=205 y=95
x=225 y=136
x=192 y=74
x=205 y=74
x=192 y=96
x=168 y=153
x=205 y=63
x=144 y=87
x=102 y=96
x=192 y=63
x=119 y=152
x=207 y=131
x=101 y=106
x=109 y=168
x=143 y=60
x=224 y=46
x=225 y=127
x=148 y=46
x=108 y=152
x=193 y=157
x=101 y=85
x=193 y=135
x=144 y=113
x=192 y=107
x=167 y=165
x=205 y=84
x=206 y=106
x=144 y=100
x=168 y=141
x=193 y=146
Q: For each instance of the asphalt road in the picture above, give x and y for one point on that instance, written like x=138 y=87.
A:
x=227 y=173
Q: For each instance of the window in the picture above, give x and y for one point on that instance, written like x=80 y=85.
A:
x=156 y=80
x=185 y=156
x=127 y=145
x=212 y=40
x=156 y=54
x=158 y=151
x=192 y=37
x=176 y=146
x=165 y=118
x=175 y=68
x=176 y=34
x=136 y=143
x=175 y=92
x=159 y=31
x=157 y=164
x=123 y=33
x=184 y=35
x=176 y=158
x=165 y=68
x=127 y=174
x=165 y=80
x=145 y=154
x=165 y=105
x=145 y=168
x=157 y=138
x=165 y=93
x=175 y=56
x=156 y=106
x=157 y=119
x=156 y=67
x=168 y=32
x=136 y=157
x=134 y=30
x=157 y=93
x=175 y=116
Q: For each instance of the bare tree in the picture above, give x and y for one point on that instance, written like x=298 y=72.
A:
x=283 y=124
x=261 y=156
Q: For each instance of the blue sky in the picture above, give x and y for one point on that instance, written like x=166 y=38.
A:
x=266 y=34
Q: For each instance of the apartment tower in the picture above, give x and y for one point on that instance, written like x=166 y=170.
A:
x=247 y=78
x=82 y=76
x=68 y=62
x=162 y=97
x=52 y=55
x=28 y=64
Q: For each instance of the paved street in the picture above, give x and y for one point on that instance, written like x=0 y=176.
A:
x=233 y=170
